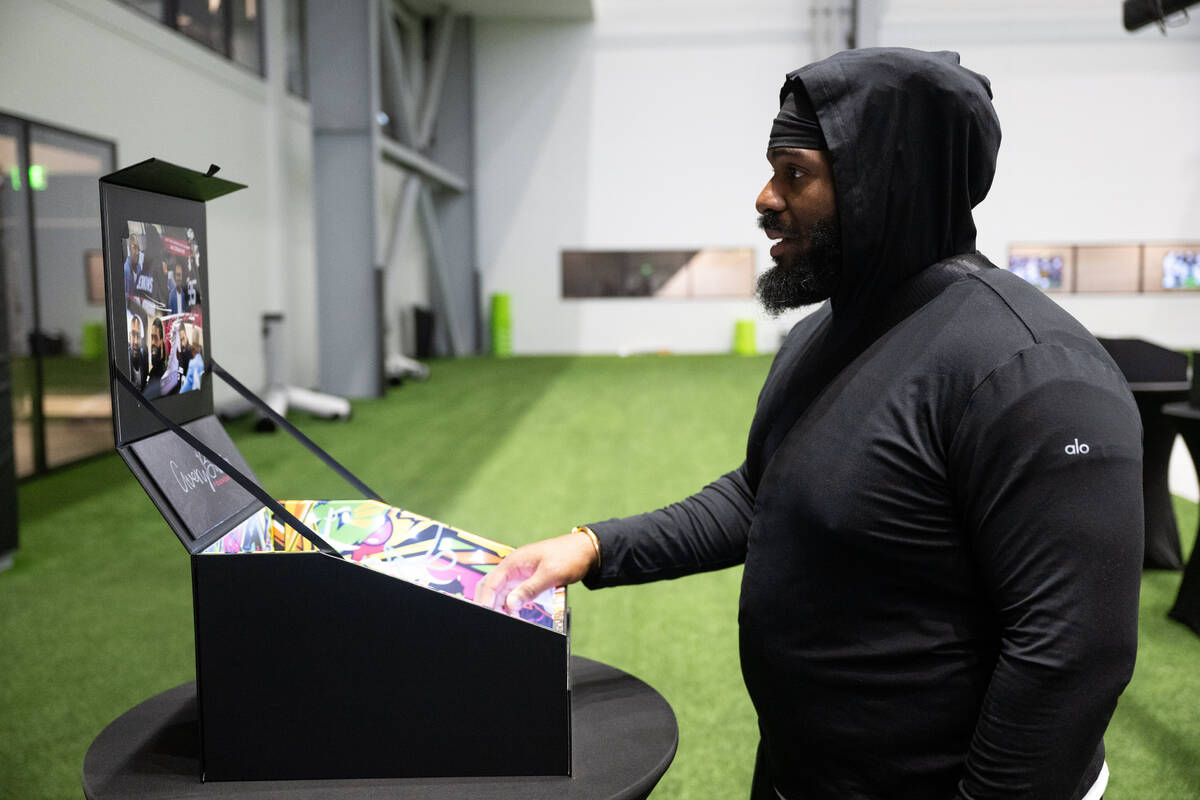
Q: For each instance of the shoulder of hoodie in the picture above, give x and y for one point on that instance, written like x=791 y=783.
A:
x=1003 y=318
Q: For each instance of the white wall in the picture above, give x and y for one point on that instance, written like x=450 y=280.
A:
x=1101 y=136
x=101 y=68
x=646 y=129
x=643 y=130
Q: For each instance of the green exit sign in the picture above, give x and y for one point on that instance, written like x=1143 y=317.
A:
x=37 y=177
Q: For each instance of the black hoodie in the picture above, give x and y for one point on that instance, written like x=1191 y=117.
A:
x=940 y=509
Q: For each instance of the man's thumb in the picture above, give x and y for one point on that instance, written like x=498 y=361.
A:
x=519 y=596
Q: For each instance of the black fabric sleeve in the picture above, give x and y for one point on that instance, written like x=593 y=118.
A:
x=1046 y=465
x=703 y=532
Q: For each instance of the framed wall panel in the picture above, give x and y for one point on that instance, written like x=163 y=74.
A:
x=710 y=272
x=1171 y=267
x=1108 y=268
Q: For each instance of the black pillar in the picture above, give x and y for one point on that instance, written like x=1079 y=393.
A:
x=8 y=471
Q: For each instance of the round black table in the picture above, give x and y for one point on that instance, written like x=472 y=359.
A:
x=623 y=737
x=1187 y=603
x=1159 y=429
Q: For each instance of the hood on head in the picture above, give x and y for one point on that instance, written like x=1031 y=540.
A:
x=912 y=140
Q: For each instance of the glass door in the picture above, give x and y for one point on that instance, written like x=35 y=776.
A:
x=76 y=404
x=51 y=250
x=18 y=296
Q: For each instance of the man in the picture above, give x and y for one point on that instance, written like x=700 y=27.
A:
x=133 y=265
x=162 y=271
x=137 y=353
x=193 y=274
x=940 y=595
x=163 y=378
x=192 y=360
x=145 y=284
x=158 y=359
x=176 y=303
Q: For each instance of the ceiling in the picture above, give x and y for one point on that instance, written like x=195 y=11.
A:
x=511 y=9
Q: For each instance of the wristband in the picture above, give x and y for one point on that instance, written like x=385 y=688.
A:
x=588 y=532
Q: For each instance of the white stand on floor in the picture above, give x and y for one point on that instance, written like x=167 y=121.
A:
x=279 y=396
x=397 y=367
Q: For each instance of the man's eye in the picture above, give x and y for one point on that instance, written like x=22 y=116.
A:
x=796 y=173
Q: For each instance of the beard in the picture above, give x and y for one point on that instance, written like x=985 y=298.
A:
x=805 y=277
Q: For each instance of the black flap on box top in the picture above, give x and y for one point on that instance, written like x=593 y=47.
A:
x=308 y=665
x=160 y=177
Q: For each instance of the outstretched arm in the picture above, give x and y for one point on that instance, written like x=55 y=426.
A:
x=704 y=532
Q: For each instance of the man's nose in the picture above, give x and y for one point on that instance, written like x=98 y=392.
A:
x=768 y=199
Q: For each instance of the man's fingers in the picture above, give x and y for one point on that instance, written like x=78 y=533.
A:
x=484 y=593
x=497 y=584
x=519 y=597
x=492 y=589
x=547 y=574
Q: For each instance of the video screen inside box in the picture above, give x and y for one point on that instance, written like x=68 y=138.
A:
x=164 y=314
x=394 y=541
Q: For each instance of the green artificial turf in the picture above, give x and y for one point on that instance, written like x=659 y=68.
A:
x=95 y=616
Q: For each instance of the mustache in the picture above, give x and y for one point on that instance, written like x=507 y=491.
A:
x=772 y=220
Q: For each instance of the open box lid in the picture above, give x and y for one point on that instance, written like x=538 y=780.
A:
x=159 y=338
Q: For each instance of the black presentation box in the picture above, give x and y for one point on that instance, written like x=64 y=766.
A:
x=308 y=665
x=1145 y=362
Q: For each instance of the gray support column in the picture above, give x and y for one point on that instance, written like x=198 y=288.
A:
x=867 y=15
x=833 y=26
x=396 y=98
x=343 y=58
x=455 y=211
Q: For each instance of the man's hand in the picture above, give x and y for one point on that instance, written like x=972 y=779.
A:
x=528 y=571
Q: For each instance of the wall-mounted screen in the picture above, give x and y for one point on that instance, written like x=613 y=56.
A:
x=1135 y=268
x=1050 y=267
x=1045 y=272
x=1181 y=268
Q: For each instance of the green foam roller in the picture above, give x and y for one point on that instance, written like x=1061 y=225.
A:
x=501 y=324
x=743 y=338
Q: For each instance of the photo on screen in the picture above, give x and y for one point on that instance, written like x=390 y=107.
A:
x=162 y=273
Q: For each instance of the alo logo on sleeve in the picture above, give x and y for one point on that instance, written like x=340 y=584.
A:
x=1077 y=449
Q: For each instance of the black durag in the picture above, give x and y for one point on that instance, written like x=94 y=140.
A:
x=796 y=123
